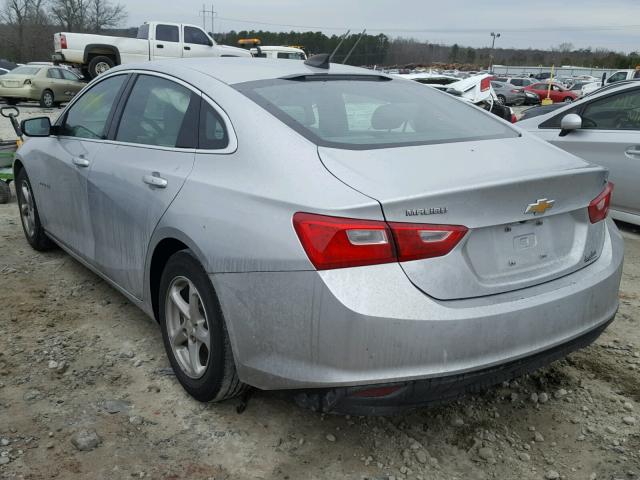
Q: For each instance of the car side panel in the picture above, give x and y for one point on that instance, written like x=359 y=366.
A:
x=611 y=149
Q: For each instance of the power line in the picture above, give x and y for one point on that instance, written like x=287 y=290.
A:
x=555 y=28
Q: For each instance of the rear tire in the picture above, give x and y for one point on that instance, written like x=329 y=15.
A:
x=194 y=331
x=568 y=100
x=5 y=192
x=33 y=230
x=47 y=99
x=99 y=65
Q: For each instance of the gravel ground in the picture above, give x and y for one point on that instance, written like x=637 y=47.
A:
x=27 y=110
x=86 y=392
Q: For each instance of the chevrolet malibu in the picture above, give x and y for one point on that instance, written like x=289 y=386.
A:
x=356 y=238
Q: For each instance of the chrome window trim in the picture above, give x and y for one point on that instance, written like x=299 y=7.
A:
x=231 y=133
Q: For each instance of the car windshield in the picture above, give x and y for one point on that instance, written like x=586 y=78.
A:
x=25 y=70
x=363 y=112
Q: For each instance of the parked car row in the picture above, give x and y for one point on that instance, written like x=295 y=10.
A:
x=437 y=249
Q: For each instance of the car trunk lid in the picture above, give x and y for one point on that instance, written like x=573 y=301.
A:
x=487 y=186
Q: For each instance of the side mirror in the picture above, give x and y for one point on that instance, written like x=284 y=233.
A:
x=36 y=127
x=569 y=123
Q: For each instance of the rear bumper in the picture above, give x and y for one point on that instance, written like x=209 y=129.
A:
x=26 y=92
x=419 y=393
x=370 y=325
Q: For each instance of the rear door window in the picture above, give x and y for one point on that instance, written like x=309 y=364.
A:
x=168 y=33
x=67 y=75
x=54 y=73
x=160 y=112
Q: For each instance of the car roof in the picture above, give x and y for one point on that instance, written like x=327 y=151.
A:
x=232 y=70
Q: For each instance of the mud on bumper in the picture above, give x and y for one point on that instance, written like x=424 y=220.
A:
x=392 y=398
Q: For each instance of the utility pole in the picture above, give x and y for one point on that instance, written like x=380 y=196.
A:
x=493 y=44
x=204 y=12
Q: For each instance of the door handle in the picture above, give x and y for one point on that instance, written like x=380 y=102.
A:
x=633 y=151
x=80 y=162
x=187 y=48
x=159 y=46
x=155 y=180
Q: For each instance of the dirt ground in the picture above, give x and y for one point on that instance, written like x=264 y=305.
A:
x=76 y=357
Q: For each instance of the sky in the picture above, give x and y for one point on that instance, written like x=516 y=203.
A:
x=610 y=24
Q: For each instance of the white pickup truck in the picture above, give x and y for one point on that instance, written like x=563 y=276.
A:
x=95 y=54
x=621 y=75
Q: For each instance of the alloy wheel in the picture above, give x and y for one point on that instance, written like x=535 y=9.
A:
x=188 y=327
x=27 y=209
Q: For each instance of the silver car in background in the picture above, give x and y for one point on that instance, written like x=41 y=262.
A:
x=361 y=239
x=604 y=129
x=508 y=94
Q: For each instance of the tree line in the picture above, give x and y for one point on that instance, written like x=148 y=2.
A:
x=27 y=27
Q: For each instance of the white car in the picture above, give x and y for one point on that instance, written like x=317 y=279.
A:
x=602 y=129
x=95 y=54
x=287 y=53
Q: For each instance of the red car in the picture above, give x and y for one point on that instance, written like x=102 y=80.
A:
x=558 y=92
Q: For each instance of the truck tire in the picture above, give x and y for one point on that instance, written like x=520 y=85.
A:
x=99 y=65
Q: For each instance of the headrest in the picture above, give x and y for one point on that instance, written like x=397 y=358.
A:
x=389 y=117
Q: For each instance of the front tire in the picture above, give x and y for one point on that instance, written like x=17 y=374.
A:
x=568 y=100
x=47 y=99
x=33 y=230
x=99 y=65
x=502 y=100
x=194 y=332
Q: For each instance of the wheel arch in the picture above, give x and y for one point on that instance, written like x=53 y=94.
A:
x=165 y=243
x=18 y=166
x=96 y=49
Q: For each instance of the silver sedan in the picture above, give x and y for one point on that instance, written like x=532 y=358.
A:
x=604 y=129
x=361 y=239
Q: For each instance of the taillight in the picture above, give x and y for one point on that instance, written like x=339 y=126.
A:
x=514 y=119
x=485 y=84
x=63 y=41
x=599 y=206
x=333 y=242
x=415 y=241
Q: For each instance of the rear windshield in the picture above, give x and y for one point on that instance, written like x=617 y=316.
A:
x=25 y=70
x=367 y=112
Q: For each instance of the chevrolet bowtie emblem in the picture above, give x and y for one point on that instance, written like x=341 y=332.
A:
x=540 y=207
